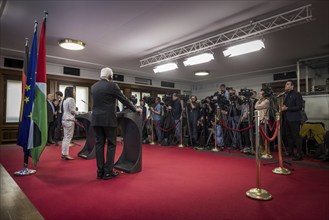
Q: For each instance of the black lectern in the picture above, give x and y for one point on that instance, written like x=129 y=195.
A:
x=130 y=124
x=88 y=151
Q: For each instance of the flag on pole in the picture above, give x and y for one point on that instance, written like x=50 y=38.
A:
x=28 y=98
x=39 y=115
x=24 y=72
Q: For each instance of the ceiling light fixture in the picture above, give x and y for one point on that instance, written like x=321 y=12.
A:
x=70 y=44
x=244 y=48
x=201 y=73
x=201 y=58
x=165 y=67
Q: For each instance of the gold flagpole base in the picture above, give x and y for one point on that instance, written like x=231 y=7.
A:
x=152 y=143
x=281 y=170
x=267 y=156
x=25 y=172
x=259 y=194
x=180 y=145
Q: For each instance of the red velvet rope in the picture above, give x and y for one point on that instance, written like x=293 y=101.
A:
x=271 y=127
x=275 y=133
x=165 y=130
x=236 y=130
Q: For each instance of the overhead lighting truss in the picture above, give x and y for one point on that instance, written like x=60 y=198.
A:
x=265 y=26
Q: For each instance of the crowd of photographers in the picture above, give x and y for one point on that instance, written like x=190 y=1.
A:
x=225 y=116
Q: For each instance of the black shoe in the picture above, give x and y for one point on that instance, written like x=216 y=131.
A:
x=51 y=142
x=100 y=175
x=110 y=175
x=67 y=157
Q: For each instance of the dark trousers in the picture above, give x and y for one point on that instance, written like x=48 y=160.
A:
x=51 y=129
x=245 y=139
x=103 y=134
x=58 y=128
x=292 y=129
x=194 y=131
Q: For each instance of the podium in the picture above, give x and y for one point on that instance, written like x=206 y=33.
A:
x=130 y=123
x=130 y=160
x=88 y=151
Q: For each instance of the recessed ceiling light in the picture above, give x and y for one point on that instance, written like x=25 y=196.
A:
x=70 y=44
x=201 y=73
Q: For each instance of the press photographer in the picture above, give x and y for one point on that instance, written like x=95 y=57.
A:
x=156 y=116
x=193 y=109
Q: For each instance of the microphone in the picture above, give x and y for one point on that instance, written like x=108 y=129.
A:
x=281 y=94
x=84 y=101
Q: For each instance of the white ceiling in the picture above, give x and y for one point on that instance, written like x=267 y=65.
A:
x=121 y=33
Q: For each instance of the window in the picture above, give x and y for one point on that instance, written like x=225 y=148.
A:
x=82 y=95
x=13 y=99
x=137 y=95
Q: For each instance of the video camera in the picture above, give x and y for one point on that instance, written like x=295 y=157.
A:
x=183 y=97
x=149 y=100
x=133 y=99
x=219 y=99
x=268 y=91
x=166 y=99
x=247 y=93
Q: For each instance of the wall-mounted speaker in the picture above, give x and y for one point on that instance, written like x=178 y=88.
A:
x=285 y=75
x=13 y=63
x=71 y=71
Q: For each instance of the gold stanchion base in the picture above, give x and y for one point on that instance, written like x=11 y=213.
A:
x=281 y=170
x=180 y=145
x=215 y=149
x=267 y=156
x=259 y=194
x=25 y=172
x=152 y=143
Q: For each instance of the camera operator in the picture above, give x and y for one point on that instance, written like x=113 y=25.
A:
x=144 y=107
x=234 y=119
x=207 y=113
x=156 y=115
x=244 y=123
x=176 y=109
x=223 y=91
x=193 y=108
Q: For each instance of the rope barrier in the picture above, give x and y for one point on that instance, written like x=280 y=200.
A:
x=236 y=130
x=270 y=127
x=165 y=130
x=274 y=135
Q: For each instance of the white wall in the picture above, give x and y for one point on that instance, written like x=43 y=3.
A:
x=56 y=69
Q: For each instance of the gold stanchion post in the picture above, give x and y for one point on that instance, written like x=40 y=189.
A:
x=181 y=133
x=267 y=154
x=280 y=170
x=258 y=193
x=215 y=134
x=152 y=133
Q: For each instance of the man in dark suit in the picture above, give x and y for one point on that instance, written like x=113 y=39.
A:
x=104 y=95
x=292 y=107
x=51 y=117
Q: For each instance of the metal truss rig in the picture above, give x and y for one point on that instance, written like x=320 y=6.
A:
x=265 y=26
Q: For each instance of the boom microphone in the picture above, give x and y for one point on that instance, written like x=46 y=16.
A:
x=84 y=101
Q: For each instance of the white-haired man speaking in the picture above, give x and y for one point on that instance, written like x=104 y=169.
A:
x=105 y=93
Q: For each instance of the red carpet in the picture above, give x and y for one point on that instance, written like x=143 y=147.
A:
x=176 y=183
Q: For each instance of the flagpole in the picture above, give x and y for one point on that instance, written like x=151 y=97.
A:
x=25 y=171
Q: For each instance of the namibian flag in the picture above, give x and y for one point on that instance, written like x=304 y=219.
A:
x=25 y=125
x=39 y=115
